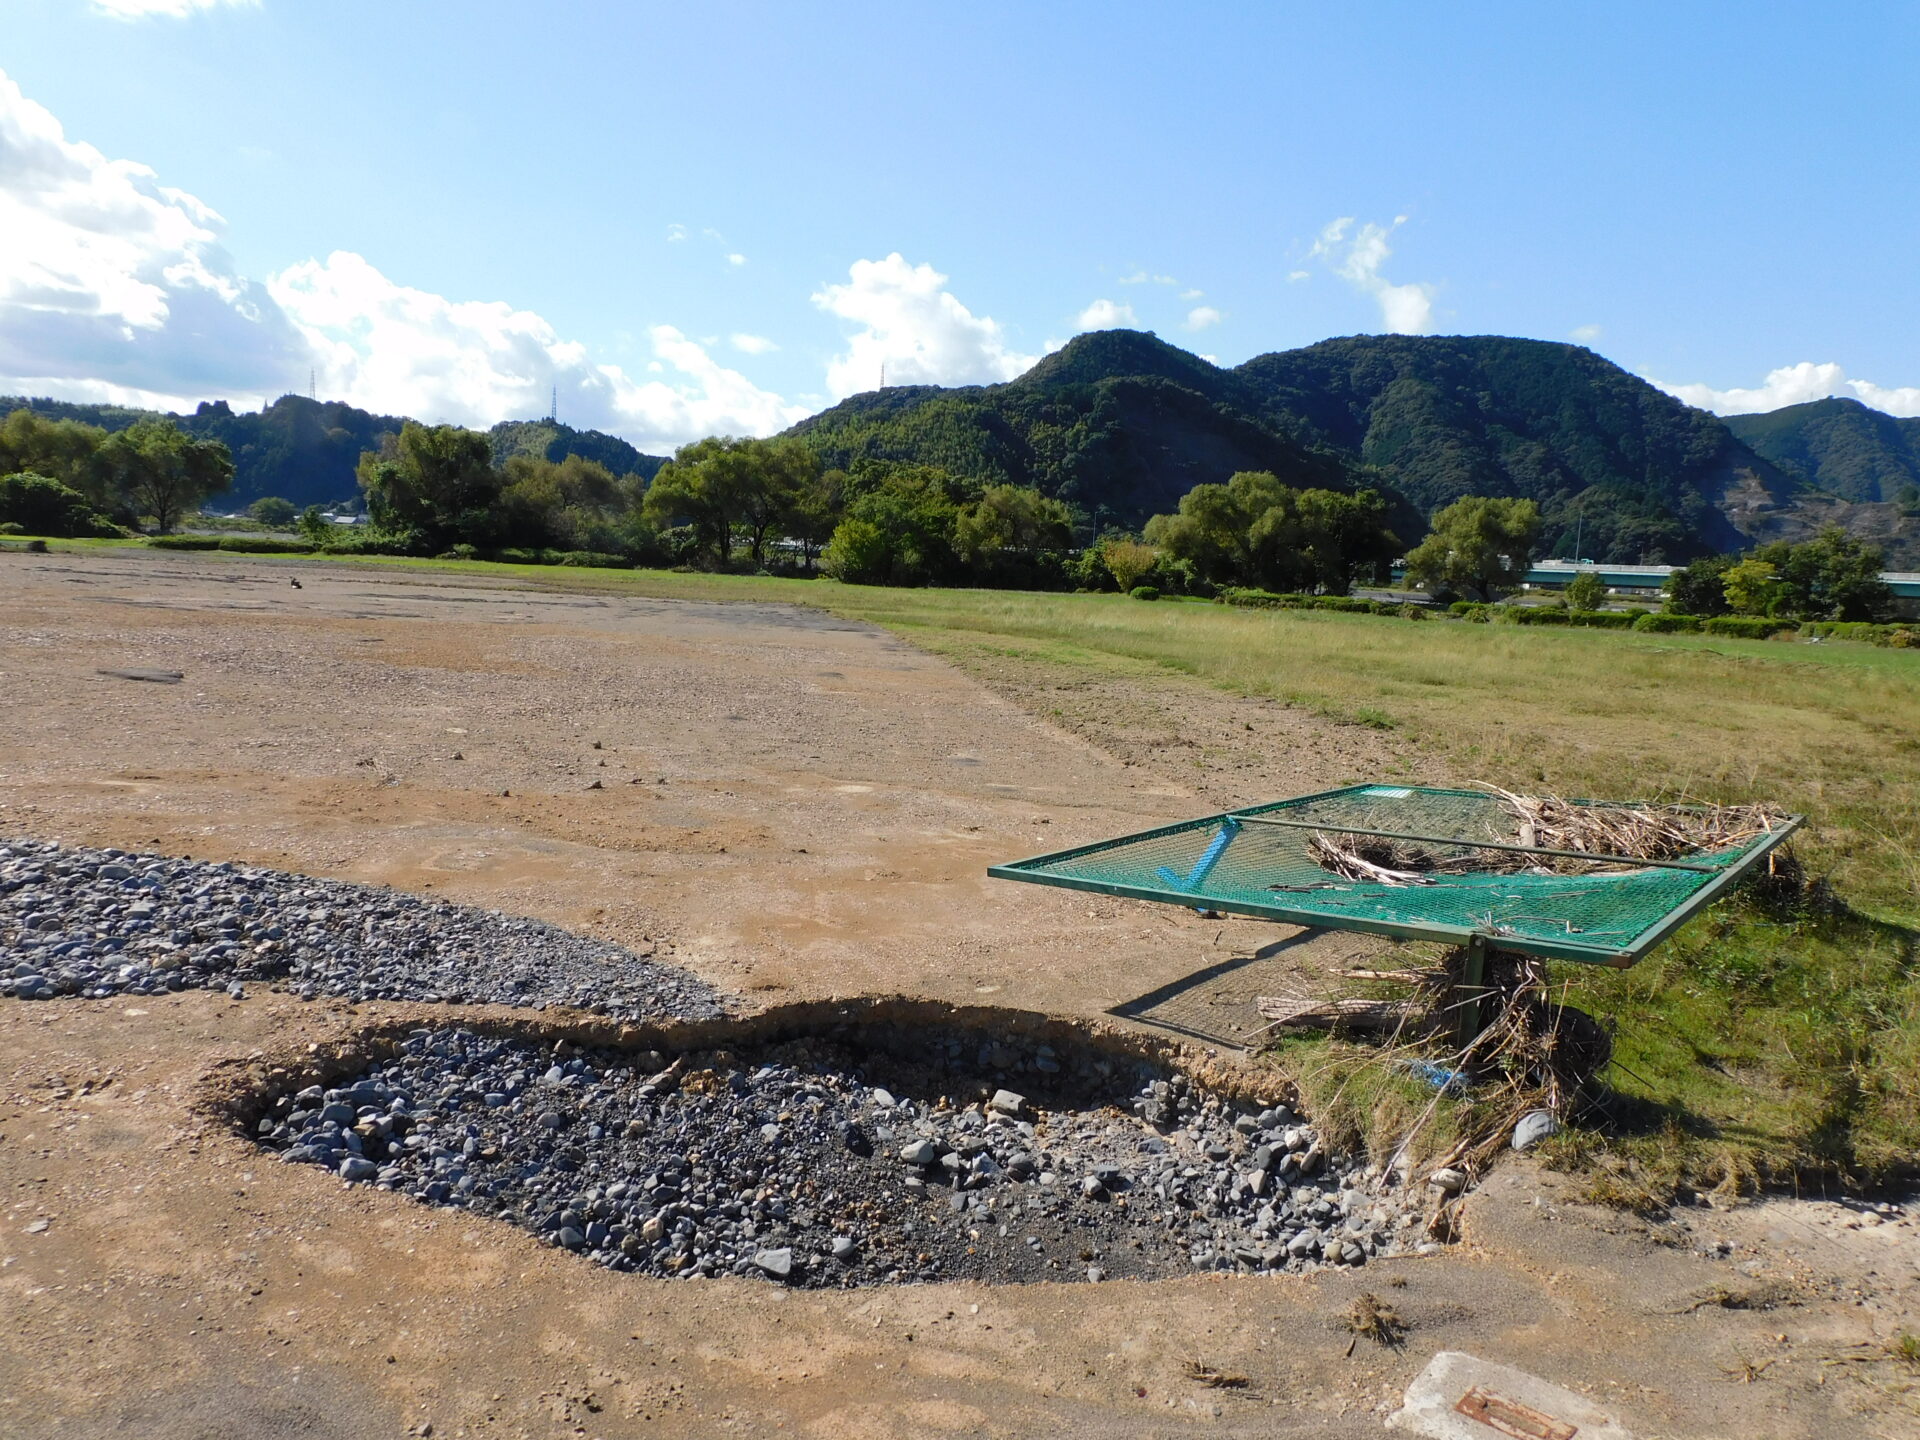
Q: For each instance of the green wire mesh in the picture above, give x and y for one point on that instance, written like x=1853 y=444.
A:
x=1610 y=917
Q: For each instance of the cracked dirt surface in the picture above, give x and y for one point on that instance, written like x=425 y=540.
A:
x=831 y=798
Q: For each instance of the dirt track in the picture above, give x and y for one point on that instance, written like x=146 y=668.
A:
x=794 y=807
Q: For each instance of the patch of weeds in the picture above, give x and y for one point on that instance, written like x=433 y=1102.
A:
x=1746 y=1371
x=1620 y=1185
x=1904 y=1349
x=1377 y=1320
x=1213 y=1377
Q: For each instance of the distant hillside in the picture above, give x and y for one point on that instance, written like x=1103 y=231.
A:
x=1118 y=422
x=551 y=440
x=305 y=451
x=1123 y=424
x=1840 y=446
x=1625 y=468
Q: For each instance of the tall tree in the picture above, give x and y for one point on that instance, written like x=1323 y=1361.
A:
x=898 y=529
x=778 y=478
x=162 y=472
x=432 y=486
x=569 y=504
x=1699 y=588
x=821 y=504
x=1254 y=530
x=1831 y=577
x=705 y=485
x=1012 y=517
x=1478 y=546
x=63 y=450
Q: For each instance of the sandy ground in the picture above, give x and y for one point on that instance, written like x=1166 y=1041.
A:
x=794 y=807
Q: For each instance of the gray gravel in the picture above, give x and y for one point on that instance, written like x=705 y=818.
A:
x=97 y=923
x=798 y=1165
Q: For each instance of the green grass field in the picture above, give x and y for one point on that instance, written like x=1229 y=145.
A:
x=1764 y=1042
x=1756 y=1044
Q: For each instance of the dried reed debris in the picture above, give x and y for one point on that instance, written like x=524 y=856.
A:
x=1638 y=832
x=1624 y=833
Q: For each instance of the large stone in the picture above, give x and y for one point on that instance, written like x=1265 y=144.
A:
x=1535 y=1126
x=777 y=1263
x=920 y=1152
x=1461 y=1397
x=1007 y=1102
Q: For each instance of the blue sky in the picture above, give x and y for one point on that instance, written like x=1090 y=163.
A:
x=723 y=216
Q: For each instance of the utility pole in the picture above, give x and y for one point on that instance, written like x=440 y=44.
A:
x=313 y=385
x=553 y=408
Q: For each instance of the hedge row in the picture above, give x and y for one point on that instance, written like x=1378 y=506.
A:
x=372 y=545
x=239 y=544
x=1346 y=604
x=1651 y=622
x=1899 y=637
x=595 y=559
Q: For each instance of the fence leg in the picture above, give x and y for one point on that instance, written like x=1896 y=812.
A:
x=1469 y=1007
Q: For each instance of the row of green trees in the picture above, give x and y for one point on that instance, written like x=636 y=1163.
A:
x=719 y=503
x=65 y=477
x=770 y=504
x=1831 y=577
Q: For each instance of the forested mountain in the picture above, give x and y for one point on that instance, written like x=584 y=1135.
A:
x=1120 y=423
x=551 y=440
x=1625 y=468
x=1841 y=446
x=305 y=450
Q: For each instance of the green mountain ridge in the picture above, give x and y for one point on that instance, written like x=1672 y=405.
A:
x=1117 y=422
x=305 y=450
x=1122 y=423
x=1841 y=446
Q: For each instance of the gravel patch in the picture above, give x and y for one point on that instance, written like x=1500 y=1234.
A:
x=820 y=1162
x=98 y=923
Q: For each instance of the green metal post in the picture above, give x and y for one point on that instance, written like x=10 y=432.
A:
x=1469 y=995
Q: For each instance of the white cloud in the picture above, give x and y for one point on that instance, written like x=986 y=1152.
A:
x=1107 y=315
x=676 y=233
x=1404 y=309
x=114 y=287
x=1795 y=385
x=752 y=344
x=1585 y=334
x=914 y=328
x=1201 y=316
x=1141 y=277
x=111 y=283
x=736 y=258
x=171 y=9
x=398 y=350
x=1191 y=294
x=1294 y=277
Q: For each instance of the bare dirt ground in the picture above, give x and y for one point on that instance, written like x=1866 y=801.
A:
x=794 y=807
